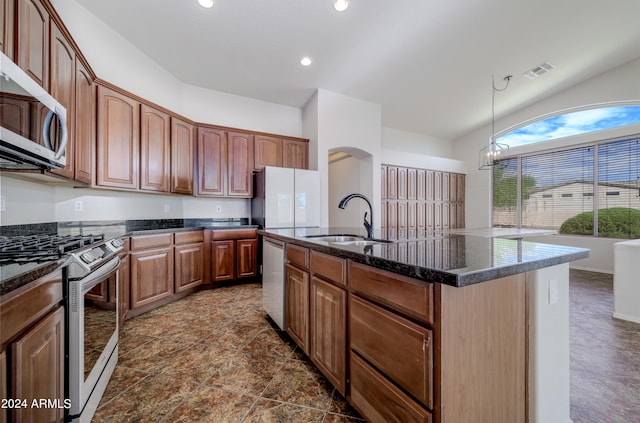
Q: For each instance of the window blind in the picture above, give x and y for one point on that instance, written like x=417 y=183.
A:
x=505 y=194
x=619 y=189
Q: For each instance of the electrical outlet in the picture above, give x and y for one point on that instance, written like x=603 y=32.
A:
x=167 y=208
x=553 y=292
x=78 y=206
x=218 y=209
x=3 y=203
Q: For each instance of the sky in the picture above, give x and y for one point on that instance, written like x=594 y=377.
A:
x=572 y=124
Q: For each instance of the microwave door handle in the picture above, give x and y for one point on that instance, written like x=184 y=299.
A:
x=63 y=141
x=46 y=129
x=46 y=132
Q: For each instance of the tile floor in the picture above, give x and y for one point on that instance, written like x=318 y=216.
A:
x=213 y=357
x=605 y=354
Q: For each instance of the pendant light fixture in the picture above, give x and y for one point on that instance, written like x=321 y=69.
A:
x=492 y=154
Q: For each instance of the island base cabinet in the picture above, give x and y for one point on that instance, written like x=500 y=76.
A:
x=328 y=331
x=378 y=400
x=297 y=306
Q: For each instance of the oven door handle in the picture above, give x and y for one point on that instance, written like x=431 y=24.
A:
x=103 y=273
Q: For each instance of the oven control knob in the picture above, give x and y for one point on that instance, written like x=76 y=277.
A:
x=117 y=242
x=87 y=257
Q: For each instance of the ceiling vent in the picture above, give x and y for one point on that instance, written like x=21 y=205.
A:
x=539 y=70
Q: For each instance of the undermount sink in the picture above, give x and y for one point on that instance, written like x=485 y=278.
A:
x=347 y=239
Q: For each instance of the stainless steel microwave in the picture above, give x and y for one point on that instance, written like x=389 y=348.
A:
x=33 y=125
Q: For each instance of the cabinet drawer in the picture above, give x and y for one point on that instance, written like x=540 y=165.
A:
x=189 y=237
x=224 y=234
x=378 y=400
x=406 y=295
x=151 y=241
x=400 y=349
x=329 y=267
x=298 y=256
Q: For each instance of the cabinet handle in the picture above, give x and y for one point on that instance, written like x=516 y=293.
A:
x=425 y=344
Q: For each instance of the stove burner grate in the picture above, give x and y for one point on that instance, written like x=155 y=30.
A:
x=41 y=248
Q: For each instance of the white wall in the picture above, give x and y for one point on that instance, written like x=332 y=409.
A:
x=618 y=84
x=343 y=123
x=410 y=142
x=26 y=202
x=344 y=179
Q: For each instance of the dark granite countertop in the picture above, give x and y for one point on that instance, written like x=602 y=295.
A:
x=452 y=259
x=13 y=276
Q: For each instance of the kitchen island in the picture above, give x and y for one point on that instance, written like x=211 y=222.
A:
x=450 y=328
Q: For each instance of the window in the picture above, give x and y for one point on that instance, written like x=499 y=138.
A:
x=556 y=190
x=572 y=123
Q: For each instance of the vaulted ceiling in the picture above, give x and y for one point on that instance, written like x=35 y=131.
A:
x=428 y=63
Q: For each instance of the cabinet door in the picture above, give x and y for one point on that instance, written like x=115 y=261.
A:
x=402 y=220
x=397 y=347
x=223 y=260
x=295 y=154
x=392 y=219
x=402 y=183
x=421 y=192
x=3 y=384
x=38 y=364
x=297 y=306
x=33 y=40
x=85 y=125
x=189 y=261
x=7 y=17
x=154 y=149
x=412 y=184
x=383 y=182
x=182 y=153
x=124 y=288
x=63 y=81
x=446 y=178
x=267 y=151
x=392 y=182
x=412 y=219
x=151 y=276
x=118 y=140
x=247 y=258
x=239 y=164
x=328 y=331
x=212 y=162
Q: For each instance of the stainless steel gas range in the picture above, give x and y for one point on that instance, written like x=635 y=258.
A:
x=91 y=327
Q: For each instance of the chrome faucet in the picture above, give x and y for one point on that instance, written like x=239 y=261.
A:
x=368 y=224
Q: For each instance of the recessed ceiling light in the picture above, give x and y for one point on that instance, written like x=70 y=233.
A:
x=305 y=61
x=206 y=3
x=341 y=5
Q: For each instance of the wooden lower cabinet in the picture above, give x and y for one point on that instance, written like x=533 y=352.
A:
x=399 y=348
x=379 y=400
x=188 y=265
x=234 y=254
x=223 y=260
x=328 y=331
x=38 y=369
x=246 y=258
x=3 y=384
x=124 y=287
x=151 y=276
x=297 y=305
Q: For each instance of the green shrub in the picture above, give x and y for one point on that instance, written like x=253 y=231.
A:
x=616 y=222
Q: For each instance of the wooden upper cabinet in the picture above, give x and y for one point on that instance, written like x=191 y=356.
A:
x=267 y=151
x=85 y=125
x=295 y=154
x=155 y=149
x=182 y=153
x=118 y=140
x=7 y=19
x=239 y=164
x=62 y=88
x=412 y=181
x=402 y=183
x=392 y=182
x=33 y=40
x=212 y=163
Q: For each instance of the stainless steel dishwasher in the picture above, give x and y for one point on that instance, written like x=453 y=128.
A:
x=273 y=280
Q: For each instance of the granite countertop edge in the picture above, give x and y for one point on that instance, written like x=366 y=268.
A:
x=457 y=279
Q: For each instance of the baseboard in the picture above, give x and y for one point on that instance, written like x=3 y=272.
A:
x=590 y=269
x=634 y=319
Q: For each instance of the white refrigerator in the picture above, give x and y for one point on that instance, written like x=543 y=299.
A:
x=284 y=198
